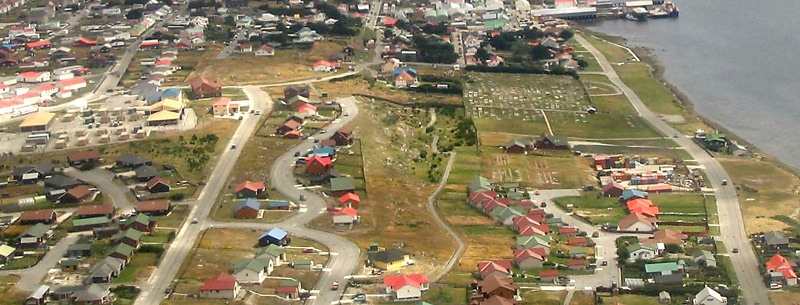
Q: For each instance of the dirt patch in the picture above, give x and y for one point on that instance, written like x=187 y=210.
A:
x=675 y=119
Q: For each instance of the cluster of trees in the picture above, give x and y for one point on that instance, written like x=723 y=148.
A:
x=433 y=51
x=198 y=4
x=523 y=68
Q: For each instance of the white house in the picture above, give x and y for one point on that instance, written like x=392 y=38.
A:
x=265 y=51
x=72 y=84
x=640 y=251
x=406 y=287
x=33 y=77
x=346 y=215
x=251 y=270
x=4 y=89
x=224 y=286
x=46 y=91
x=709 y=296
x=64 y=94
x=324 y=66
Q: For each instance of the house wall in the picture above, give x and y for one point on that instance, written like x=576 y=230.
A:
x=218 y=294
x=342 y=219
x=408 y=292
x=316 y=169
x=642 y=254
x=639 y=227
x=530 y=263
x=389 y=266
x=246 y=213
x=249 y=276
x=515 y=150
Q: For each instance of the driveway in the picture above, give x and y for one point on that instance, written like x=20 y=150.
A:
x=31 y=277
x=104 y=180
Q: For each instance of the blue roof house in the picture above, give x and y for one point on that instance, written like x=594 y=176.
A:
x=274 y=237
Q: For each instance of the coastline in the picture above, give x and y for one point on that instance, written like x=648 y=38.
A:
x=657 y=71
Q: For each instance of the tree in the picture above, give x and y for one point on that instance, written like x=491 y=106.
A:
x=483 y=55
x=230 y=21
x=566 y=34
x=134 y=14
x=499 y=42
x=520 y=49
x=622 y=252
x=540 y=52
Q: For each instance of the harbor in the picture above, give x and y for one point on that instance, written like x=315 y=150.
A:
x=640 y=10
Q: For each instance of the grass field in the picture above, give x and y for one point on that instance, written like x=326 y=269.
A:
x=543 y=298
x=11 y=296
x=784 y=297
x=765 y=191
x=286 y=65
x=352 y=86
x=594 y=207
x=395 y=210
x=138 y=268
x=175 y=218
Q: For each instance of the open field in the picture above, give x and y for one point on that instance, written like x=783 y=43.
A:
x=359 y=85
x=286 y=65
x=595 y=208
x=395 y=211
x=537 y=171
x=139 y=268
x=11 y=296
x=765 y=191
x=784 y=297
x=543 y=298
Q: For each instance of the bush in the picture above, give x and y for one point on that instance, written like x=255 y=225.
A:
x=177 y=196
x=158 y=250
x=125 y=292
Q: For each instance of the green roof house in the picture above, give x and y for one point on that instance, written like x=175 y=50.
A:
x=252 y=270
x=130 y=237
x=273 y=252
x=84 y=224
x=661 y=269
x=302 y=264
x=342 y=185
x=479 y=183
x=640 y=251
x=534 y=241
x=122 y=251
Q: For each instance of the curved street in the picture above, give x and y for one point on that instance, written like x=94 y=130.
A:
x=730 y=216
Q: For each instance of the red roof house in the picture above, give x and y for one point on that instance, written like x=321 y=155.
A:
x=350 y=199
x=250 y=189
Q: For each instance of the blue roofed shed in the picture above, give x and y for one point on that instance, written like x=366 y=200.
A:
x=632 y=194
x=275 y=236
x=279 y=205
x=247 y=209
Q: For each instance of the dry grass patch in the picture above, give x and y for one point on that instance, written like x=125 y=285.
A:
x=543 y=297
x=485 y=247
x=784 y=297
x=469 y=220
x=286 y=65
x=359 y=85
x=765 y=190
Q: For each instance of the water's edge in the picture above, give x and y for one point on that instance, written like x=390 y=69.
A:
x=657 y=71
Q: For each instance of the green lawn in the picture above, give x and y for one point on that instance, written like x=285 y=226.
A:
x=679 y=202
x=484 y=230
x=653 y=93
x=24 y=262
x=161 y=236
x=138 y=263
x=175 y=218
x=596 y=210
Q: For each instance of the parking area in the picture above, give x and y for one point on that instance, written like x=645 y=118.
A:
x=97 y=126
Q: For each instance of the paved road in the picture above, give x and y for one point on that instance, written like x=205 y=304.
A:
x=153 y=291
x=451 y=262
x=730 y=216
x=282 y=177
x=227 y=50
x=605 y=250
x=104 y=180
x=114 y=74
x=30 y=277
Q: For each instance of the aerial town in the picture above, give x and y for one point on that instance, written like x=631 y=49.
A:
x=377 y=152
